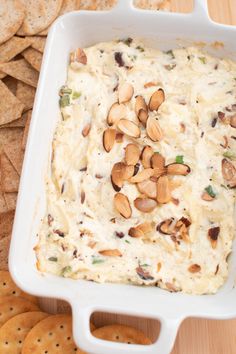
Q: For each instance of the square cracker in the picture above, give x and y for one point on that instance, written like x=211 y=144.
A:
x=9 y=177
x=15 y=153
x=21 y=70
x=33 y=57
x=10 y=108
x=25 y=93
x=12 y=47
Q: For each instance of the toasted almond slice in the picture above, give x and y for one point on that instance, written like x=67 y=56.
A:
x=148 y=187
x=178 y=169
x=229 y=172
x=207 y=197
x=158 y=172
x=122 y=205
x=135 y=232
x=146 y=156
x=150 y=84
x=166 y=227
x=153 y=129
x=157 y=98
x=132 y=154
x=141 y=110
x=145 y=205
x=117 y=175
x=145 y=227
x=109 y=137
x=157 y=161
x=111 y=253
x=142 y=175
x=194 y=268
x=86 y=130
x=116 y=112
x=128 y=172
x=213 y=234
x=163 y=190
x=233 y=121
x=125 y=92
x=129 y=128
x=79 y=56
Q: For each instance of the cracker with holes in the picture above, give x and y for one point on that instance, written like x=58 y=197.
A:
x=8 y=287
x=14 y=331
x=12 y=14
x=122 y=334
x=51 y=335
x=11 y=306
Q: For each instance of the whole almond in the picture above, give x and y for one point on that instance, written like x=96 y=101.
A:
x=233 y=121
x=86 y=130
x=153 y=129
x=228 y=173
x=111 y=253
x=116 y=112
x=141 y=109
x=78 y=56
x=146 y=156
x=129 y=128
x=157 y=161
x=148 y=187
x=125 y=92
x=109 y=137
x=142 y=175
x=157 y=98
x=178 y=169
x=117 y=175
x=122 y=205
x=145 y=205
x=134 y=232
x=163 y=190
x=132 y=154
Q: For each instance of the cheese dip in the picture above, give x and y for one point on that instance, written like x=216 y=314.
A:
x=140 y=187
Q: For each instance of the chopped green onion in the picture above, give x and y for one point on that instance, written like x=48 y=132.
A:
x=223 y=186
x=210 y=191
x=203 y=60
x=64 y=101
x=97 y=260
x=65 y=270
x=76 y=95
x=52 y=259
x=144 y=265
x=230 y=155
x=65 y=91
x=141 y=49
x=127 y=241
x=170 y=52
x=179 y=159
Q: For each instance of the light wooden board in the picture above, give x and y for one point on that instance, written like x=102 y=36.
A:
x=196 y=336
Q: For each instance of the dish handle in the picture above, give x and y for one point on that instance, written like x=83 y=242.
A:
x=86 y=341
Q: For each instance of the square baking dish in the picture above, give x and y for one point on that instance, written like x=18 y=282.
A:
x=81 y=29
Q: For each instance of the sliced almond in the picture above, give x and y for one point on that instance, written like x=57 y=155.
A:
x=163 y=190
x=207 y=197
x=146 y=156
x=166 y=227
x=148 y=187
x=141 y=109
x=117 y=175
x=109 y=137
x=142 y=175
x=229 y=172
x=158 y=172
x=135 y=232
x=86 y=130
x=129 y=128
x=78 y=56
x=116 y=112
x=158 y=266
x=128 y=172
x=194 y=268
x=157 y=98
x=119 y=137
x=132 y=154
x=122 y=205
x=213 y=234
x=145 y=205
x=125 y=92
x=233 y=121
x=153 y=129
x=145 y=227
x=224 y=119
x=178 y=169
x=150 y=84
x=157 y=161
x=111 y=253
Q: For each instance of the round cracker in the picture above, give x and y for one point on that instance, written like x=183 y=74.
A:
x=8 y=287
x=14 y=331
x=11 y=306
x=12 y=13
x=121 y=334
x=39 y=15
x=53 y=335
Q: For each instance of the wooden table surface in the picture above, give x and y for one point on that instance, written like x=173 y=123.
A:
x=196 y=336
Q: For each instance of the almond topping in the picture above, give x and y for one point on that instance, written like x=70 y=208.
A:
x=229 y=173
x=145 y=205
x=148 y=187
x=135 y=232
x=125 y=92
x=79 y=56
x=213 y=234
x=129 y=128
x=166 y=227
x=141 y=109
x=145 y=227
x=157 y=161
x=122 y=205
x=150 y=84
x=142 y=175
x=178 y=169
x=132 y=154
x=146 y=156
x=117 y=175
x=207 y=197
x=157 y=98
x=111 y=253
x=153 y=129
x=233 y=121
x=194 y=268
x=163 y=190
x=109 y=137
x=119 y=137
x=86 y=130
x=116 y=112
x=128 y=172
x=159 y=172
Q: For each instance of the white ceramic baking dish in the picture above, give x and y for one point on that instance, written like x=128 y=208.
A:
x=80 y=29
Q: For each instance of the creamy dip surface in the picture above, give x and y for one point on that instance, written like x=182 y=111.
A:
x=159 y=211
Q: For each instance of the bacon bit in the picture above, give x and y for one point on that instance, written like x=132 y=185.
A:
x=113 y=220
x=119 y=234
x=159 y=266
x=82 y=197
x=213 y=123
x=166 y=227
x=175 y=201
x=223 y=118
x=98 y=176
x=221 y=115
x=119 y=59
x=62 y=188
x=150 y=84
x=75 y=253
x=143 y=274
x=59 y=233
x=217 y=268
x=213 y=234
x=119 y=137
x=184 y=221
x=182 y=127
x=50 y=220
x=84 y=169
x=194 y=268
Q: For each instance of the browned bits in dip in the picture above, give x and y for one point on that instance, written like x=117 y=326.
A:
x=194 y=268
